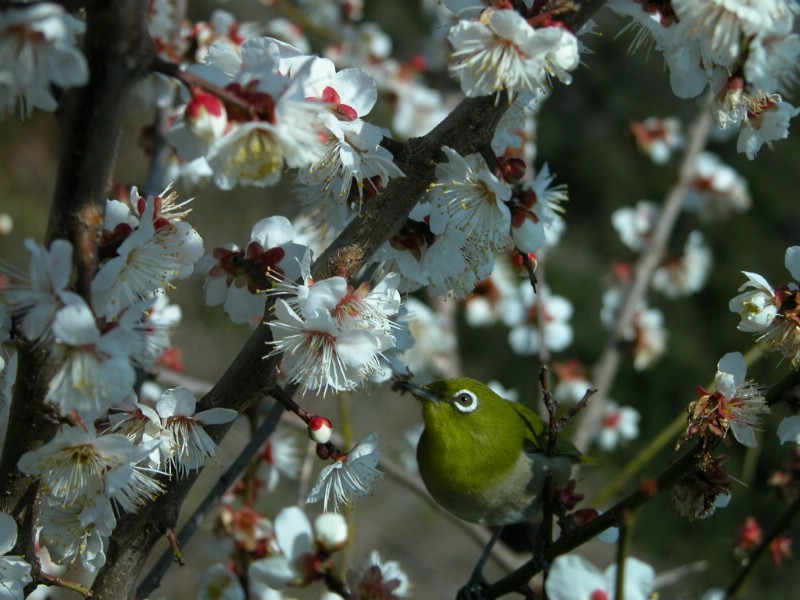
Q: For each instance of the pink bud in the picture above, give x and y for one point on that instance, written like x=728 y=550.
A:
x=320 y=429
x=206 y=116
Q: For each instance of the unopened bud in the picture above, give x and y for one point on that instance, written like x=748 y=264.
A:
x=206 y=116
x=320 y=429
x=512 y=169
x=331 y=530
x=323 y=451
x=527 y=230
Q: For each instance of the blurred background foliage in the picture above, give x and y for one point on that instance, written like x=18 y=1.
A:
x=583 y=133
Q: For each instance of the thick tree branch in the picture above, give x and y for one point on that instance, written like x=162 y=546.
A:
x=118 y=51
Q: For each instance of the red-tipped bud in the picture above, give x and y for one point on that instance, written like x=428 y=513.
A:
x=206 y=116
x=320 y=429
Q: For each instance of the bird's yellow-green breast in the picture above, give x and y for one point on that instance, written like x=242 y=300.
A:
x=482 y=457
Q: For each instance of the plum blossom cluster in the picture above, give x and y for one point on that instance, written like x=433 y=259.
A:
x=536 y=319
x=89 y=476
x=470 y=214
x=38 y=50
x=771 y=313
x=332 y=335
x=500 y=49
x=744 y=52
x=283 y=109
x=91 y=471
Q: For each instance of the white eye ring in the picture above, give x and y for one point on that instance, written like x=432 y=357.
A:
x=465 y=401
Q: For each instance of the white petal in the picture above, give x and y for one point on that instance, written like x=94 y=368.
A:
x=8 y=533
x=216 y=416
x=572 y=577
x=75 y=325
x=789 y=429
x=293 y=532
x=792 y=261
x=734 y=364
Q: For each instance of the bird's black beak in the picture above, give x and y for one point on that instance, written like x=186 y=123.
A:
x=419 y=391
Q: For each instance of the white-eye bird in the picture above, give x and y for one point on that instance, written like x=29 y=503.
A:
x=483 y=457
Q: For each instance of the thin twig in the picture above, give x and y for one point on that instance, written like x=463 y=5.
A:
x=605 y=370
x=153 y=579
x=611 y=518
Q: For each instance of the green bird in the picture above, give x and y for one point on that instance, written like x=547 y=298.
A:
x=483 y=457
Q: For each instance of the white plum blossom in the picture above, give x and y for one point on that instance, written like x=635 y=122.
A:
x=418 y=108
x=545 y=200
x=235 y=278
x=38 y=50
x=646 y=333
x=192 y=448
x=485 y=304
x=523 y=314
x=352 y=474
x=383 y=578
x=772 y=313
x=281 y=456
x=277 y=127
x=620 y=424
x=141 y=424
x=686 y=274
x=745 y=51
x=572 y=577
x=433 y=341
x=717 y=191
x=573 y=382
x=768 y=120
x=43 y=291
x=298 y=543
x=78 y=531
x=156 y=248
x=741 y=402
x=650 y=337
x=756 y=307
x=658 y=137
x=97 y=370
x=472 y=199
x=78 y=464
x=153 y=330
x=500 y=51
x=332 y=335
x=635 y=225
x=15 y=572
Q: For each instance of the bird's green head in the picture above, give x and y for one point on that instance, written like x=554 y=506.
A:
x=457 y=404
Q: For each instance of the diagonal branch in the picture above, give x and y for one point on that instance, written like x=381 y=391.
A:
x=606 y=368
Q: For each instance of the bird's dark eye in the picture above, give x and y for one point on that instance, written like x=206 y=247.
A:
x=465 y=401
